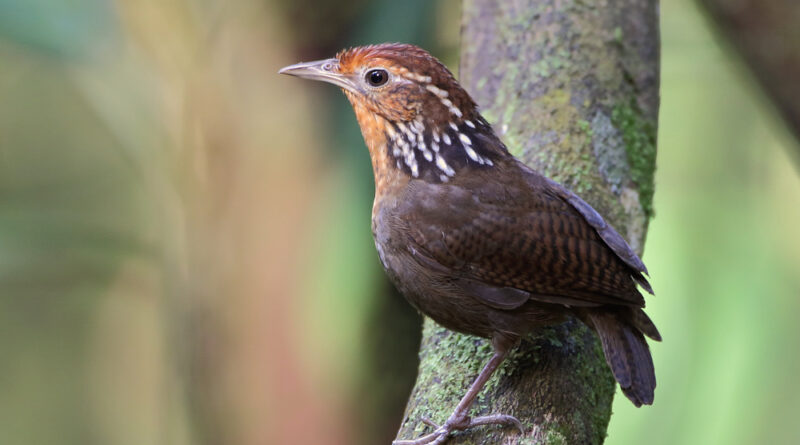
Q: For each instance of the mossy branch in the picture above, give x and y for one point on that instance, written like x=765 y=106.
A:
x=572 y=88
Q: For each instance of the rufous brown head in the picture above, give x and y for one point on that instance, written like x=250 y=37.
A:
x=412 y=112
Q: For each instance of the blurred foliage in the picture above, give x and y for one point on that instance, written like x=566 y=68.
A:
x=69 y=30
x=186 y=254
x=724 y=252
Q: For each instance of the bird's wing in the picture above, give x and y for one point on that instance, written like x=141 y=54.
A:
x=506 y=246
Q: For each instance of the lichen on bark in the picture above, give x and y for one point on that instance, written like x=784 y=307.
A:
x=572 y=89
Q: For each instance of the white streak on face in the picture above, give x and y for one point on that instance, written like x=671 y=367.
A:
x=469 y=124
x=418 y=77
x=412 y=76
x=466 y=140
x=446 y=139
x=442 y=94
x=453 y=126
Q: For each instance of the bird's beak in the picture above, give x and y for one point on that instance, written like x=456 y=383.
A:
x=325 y=70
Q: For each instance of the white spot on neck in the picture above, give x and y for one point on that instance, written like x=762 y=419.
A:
x=447 y=103
x=443 y=166
x=473 y=155
x=392 y=133
x=418 y=125
x=428 y=155
x=402 y=127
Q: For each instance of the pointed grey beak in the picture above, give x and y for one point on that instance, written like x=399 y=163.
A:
x=325 y=70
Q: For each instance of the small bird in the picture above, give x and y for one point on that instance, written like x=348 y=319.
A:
x=474 y=238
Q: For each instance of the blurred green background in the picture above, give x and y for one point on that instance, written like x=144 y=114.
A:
x=185 y=254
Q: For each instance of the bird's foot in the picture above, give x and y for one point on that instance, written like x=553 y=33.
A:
x=459 y=423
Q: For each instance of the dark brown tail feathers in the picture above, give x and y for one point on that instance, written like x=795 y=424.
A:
x=622 y=334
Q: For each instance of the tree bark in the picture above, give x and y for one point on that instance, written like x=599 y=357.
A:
x=572 y=88
x=767 y=35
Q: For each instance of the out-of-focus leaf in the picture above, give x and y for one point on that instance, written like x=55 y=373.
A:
x=71 y=212
x=66 y=28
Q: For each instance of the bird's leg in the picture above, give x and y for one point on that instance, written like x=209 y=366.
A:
x=460 y=419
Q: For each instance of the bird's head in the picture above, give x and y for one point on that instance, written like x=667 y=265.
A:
x=409 y=106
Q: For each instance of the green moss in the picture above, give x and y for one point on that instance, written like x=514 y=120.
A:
x=550 y=64
x=604 y=385
x=569 y=159
x=554 y=437
x=618 y=34
x=639 y=135
x=586 y=127
x=457 y=357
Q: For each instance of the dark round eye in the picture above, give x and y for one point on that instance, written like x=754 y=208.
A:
x=377 y=78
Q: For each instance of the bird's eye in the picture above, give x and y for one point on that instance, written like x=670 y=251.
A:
x=377 y=78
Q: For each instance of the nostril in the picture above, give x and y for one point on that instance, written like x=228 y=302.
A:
x=327 y=67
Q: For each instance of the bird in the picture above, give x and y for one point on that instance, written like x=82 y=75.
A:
x=474 y=238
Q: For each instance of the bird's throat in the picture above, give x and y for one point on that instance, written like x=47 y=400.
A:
x=424 y=149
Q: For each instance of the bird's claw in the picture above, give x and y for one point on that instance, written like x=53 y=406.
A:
x=442 y=433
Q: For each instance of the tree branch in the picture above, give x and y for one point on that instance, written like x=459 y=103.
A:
x=572 y=88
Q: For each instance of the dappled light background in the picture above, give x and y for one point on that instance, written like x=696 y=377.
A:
x=186 y=252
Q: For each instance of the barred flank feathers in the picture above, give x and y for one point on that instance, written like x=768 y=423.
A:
x=627 y=352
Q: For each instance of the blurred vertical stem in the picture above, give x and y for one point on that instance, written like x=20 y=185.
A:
x=767 y=35
x=572 y=88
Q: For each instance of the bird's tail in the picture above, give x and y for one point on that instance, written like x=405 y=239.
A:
x=622 y=334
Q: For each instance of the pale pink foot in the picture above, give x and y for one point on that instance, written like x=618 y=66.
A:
x=459 y=423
